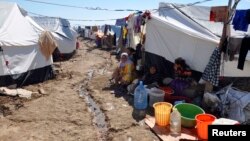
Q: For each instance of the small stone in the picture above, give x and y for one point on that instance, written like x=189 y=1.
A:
x=42 y=91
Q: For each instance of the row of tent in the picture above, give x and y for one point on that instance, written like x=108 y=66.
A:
x=185 y=31
x=176 y=30
x=173 y=31
x=21 y=60
x=106 y=29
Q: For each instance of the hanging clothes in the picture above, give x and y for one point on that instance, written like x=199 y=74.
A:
x=114 y=40
x=87 y=27
x=105 y=29
x=94 y=28
x=212 y=70
x=241 y=20
x=218 y=13
x=138 y=22
x=131 y=21
x=120 y=22
x=124 y=35
x=234 y=45
x=245 y=46
x=47 y=44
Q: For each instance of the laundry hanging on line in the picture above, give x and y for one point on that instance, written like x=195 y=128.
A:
x=120 y=22
x=241 y=20
x=137 y=24
x=245 y=47
x=219 y=13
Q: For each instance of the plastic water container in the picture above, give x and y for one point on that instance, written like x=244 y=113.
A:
x=140 y=97
x=175 y=123
x=155 y=95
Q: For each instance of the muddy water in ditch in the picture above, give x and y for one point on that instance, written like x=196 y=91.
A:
x=98 y=116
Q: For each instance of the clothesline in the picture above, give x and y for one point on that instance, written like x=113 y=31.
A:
x=105 y=9
x=98 y=8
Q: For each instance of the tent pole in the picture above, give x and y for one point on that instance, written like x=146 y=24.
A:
x=208 y=85
x=225 y=27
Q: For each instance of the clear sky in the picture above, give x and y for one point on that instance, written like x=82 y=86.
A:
x=78 y=13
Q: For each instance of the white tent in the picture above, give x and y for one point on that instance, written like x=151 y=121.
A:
x=61 y=30
x=187 y=32
x=20 y=56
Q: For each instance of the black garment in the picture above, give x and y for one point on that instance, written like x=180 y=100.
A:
x=248 y=16
x=245 y=46
x=224 y=46
x=138 y=52
x=152 y=78
x=114 y=42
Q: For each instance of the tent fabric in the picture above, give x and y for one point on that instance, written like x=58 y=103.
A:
x=171 y=34
x=19 y=42
x=47 y=44
x=201 y=15
x=65 y=45
x=15 y=30
x=182 y=22
x=30 y=77
x=57 y=25
x=22 y=59
x=60 y=28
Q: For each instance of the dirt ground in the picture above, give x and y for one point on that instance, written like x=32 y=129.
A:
x=63 y=113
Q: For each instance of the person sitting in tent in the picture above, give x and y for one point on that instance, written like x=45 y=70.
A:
x=123 y=74
x=151 y=79
x=182 y=78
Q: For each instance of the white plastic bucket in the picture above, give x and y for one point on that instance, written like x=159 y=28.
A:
x=155 y=95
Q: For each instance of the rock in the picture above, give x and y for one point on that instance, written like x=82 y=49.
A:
x=42 y=91
x=108 y=107
x=129 y=138
x=16 y=92
x=24 y=93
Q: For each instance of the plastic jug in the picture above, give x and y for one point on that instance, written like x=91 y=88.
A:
x=140 y=97
x=175 y=122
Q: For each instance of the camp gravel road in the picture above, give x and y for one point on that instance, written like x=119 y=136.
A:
x=62 y=115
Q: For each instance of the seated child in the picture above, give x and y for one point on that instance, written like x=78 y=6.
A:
x=151 y=79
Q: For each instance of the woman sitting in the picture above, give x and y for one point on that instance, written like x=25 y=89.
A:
x=123 y=74
x=182 y=78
